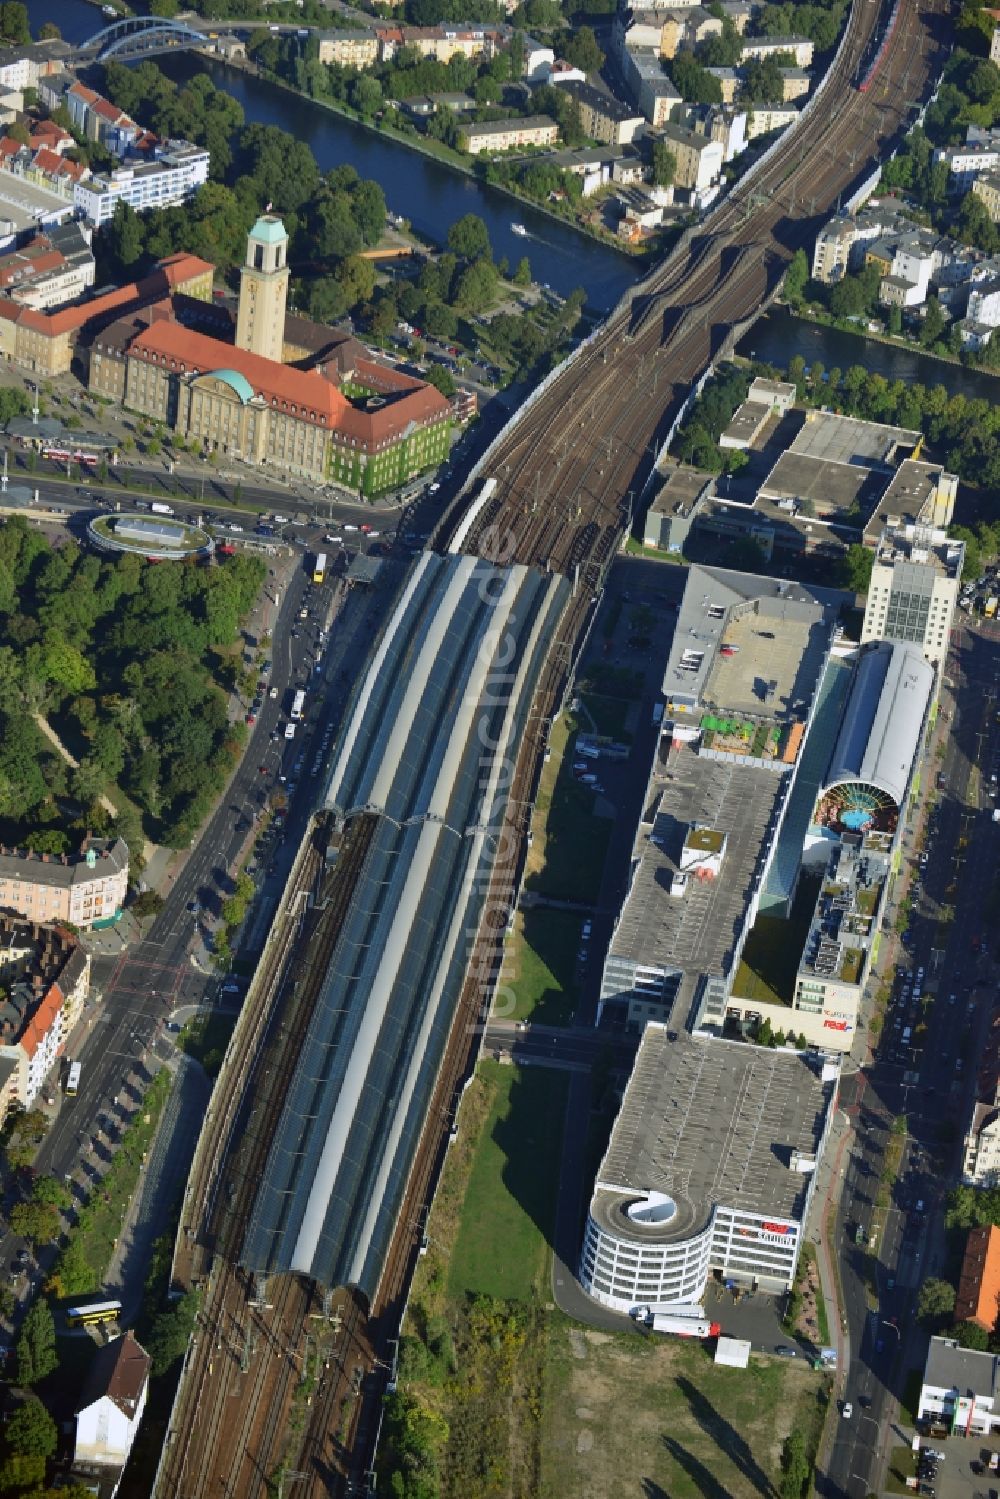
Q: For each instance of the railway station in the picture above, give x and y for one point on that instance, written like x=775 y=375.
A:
x=422 y=779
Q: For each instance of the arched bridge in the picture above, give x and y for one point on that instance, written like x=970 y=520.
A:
x=139 y=36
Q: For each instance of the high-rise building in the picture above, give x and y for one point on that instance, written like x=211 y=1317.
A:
x=260 y=323
x=918 y=568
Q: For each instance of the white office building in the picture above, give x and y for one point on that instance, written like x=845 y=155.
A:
x=175 y=175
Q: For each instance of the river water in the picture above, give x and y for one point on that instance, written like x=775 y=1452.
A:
x=778 y=337
x=432 y=197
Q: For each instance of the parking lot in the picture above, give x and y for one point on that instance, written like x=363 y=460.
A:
x=962 y=1472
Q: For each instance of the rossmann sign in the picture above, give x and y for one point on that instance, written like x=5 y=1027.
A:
x=769 y=1233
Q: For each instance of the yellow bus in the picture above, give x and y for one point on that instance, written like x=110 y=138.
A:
x=319 y=570
x=92 y=1313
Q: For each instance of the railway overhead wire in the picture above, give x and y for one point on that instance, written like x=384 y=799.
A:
x=296 y=1377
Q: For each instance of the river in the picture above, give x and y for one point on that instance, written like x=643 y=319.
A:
x=423 y=190
x=778 y=337
x=432 y=197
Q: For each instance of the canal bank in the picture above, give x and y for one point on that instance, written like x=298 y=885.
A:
x=641 y=257
x=779 y=336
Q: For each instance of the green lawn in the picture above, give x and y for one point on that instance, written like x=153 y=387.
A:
x=772 y=951
x=502 y=1247
x=542 y=955
x=608 y=713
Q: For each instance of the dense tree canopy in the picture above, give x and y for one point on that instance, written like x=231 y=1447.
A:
x=125 y=658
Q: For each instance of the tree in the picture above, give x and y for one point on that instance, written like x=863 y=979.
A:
x=934 y=323
x=19 y=132
x=36 y=1344
x=855 y=568
x=469 y=238
x=170 y=1333
x=894 y=322
x=36 y=1222
x=48 y=1192
x=664 y=165
x=582 y=51
x=694 y=84
x=935 y=1299
x=522 y=272
x=366 y=96
x=796 y=1470
x=147 y=903
x=443 y=379
x=796 y=279
x=31 y=1431
x=47 y=32
x=357 y=277
x=971 y=1335
x=14 y=22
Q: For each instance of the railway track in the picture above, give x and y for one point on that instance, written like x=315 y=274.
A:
x=568 y=475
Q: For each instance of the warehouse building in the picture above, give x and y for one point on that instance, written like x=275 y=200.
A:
x=710 y=1171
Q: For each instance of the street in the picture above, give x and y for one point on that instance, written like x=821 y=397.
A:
x=940 y=975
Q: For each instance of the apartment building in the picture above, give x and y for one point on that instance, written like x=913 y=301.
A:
x=987 y=190
x=45 y=978
x=604 y=118
x=350 y=49
x=798 y=47
x=763 y=118
x=916 y=576
x=87 y=888
x=175 y=174
x=699 y=158
x=502 y=135
x=649 y=88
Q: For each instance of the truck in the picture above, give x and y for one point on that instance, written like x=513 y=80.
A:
x=685 y=1327
x=990 y=607
x=657 y=715
x=158 y=508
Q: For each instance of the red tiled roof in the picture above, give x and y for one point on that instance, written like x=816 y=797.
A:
x=306 y=395
x=9 y=147
x=301 y=393
x=81 y=91
x=47 y=132
x=109 y=111
x=42 y=1021
x=978 y=1297
x=174 y=271
x=13 y=267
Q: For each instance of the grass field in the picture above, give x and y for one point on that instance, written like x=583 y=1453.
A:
x=517 y=1402
x=566 y=858
x=502 y=1245
x=540 y=966
x=630 y=1417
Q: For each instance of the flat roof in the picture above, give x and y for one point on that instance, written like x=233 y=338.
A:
x=694 y=933
x=775 y=667
x=833 y=438
x=832 y=488
x=706 y=1122
x=843 y=926
x=909 y=492
x=747 y=420
x=714 y=598
x=680 y=487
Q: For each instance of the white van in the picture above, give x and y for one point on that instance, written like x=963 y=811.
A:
x=905 y=1038
x=289 y=731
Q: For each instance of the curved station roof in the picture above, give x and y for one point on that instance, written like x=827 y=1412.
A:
x=426 y=754
x=883 y=720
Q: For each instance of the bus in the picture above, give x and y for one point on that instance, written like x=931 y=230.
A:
x=319 y=570
x=91 y=1313
x=298 y=705
x=71 y=455
x=73 y=1080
